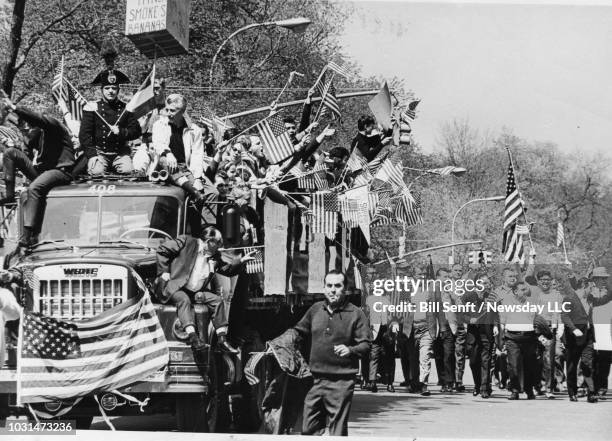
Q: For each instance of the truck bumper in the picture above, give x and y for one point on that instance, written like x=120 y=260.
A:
x=160 y=382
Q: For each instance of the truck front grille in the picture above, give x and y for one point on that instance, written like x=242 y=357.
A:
x=78 y=296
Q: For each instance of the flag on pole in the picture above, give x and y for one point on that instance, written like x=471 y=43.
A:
x=329 y=100
x=512 y=244
x=57 y=86
x=560 y=234
x=76 y=102
x=381 y=107
x=410 y=113
x=408 y=210
x=349 y=208
x=325 y=213
x=319 y=174
x=357 y=161
x=339 y=69
x=216 y=125
x=257 y=265
x=70 y=359
x=391 y=173
x=444 y=171
x=275 y=139
x=143 y=100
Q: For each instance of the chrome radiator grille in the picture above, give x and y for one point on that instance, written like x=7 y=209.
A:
x=79 y=291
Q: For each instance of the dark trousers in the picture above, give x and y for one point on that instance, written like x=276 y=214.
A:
x=602 y=370
x=500 y=366
x=409 y=358
x=460 y=341
x=479 y=343
x=183 y=299
x=579 y=351
x=328 y=397
x=376 y=361
x=42 y=182
x=444 y=347
x=521 y=348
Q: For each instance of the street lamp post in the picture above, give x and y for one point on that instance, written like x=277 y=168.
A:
x=298 y=24
x=492 y=198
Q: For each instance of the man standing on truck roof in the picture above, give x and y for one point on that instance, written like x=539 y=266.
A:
x=52 y=166
x=188 y=266
x=340 y=335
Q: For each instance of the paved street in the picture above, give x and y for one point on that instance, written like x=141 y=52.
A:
x=452 y=416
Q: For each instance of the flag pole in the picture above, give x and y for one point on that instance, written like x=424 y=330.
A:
x=567 y=261
x=324 y=96
x=521 y=197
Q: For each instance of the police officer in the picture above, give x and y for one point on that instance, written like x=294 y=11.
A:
x=106 y=127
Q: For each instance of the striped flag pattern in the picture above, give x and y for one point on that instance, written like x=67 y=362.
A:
x=10 y=137
x=325 y=213
x=560 y=234
x=410 y=113
x=57 y=86
x=65 y=359
x=408 y=210
x=444 y=171
x=143 y=100
x=257 y=265
x=361 y=277
x=512 y=244
x=349 y=209
x=357 y=161
x=391 y=173
x=251 y=365
x=329 y=100
x=339 y=69
x=216 y=125
x=275 y=139
x=76 y=102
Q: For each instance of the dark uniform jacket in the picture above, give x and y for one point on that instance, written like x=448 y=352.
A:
x=55 y=148
x=178 y=256
x=368 y=146
x=94 y=134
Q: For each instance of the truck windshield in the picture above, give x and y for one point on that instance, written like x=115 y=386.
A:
x=85 y=220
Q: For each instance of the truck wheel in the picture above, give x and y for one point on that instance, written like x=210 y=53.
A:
x=83 y=423
x=189 y=412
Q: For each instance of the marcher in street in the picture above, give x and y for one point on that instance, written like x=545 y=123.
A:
x=447 y=323
x=457 y=273
x=482 y=329
x=340 y=335
x=579 y=338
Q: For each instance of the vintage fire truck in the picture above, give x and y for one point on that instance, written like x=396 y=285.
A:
x=94 y=233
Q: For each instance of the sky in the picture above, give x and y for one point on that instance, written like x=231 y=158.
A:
x=542 y=70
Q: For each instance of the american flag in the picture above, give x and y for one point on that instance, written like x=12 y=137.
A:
x=391 y=173
x=216 y=125
x=275 y=139
x=10 y=137
x=410 y=113
x=560 y=234
x=76 y=102
x=328 y=98
x=325 y=213
x=357 y=161
x=361 y=280
x=57 y=86
x=65 y=359
x=377 y=163
x=257 y=265
x=512 y=246
x=349 y=208
x=408 y=210
x=339 y=69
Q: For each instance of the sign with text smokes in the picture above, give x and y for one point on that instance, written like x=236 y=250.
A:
x=158 y=28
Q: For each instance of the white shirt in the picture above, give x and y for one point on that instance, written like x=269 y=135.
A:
x=9 y=310
x=202 y=267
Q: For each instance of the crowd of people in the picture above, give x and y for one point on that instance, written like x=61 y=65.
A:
x=538 y=354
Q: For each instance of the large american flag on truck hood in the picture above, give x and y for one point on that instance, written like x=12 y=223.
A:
x=69 y=359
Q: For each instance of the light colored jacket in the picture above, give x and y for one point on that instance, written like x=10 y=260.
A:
x=9 y=310
x=192 y=141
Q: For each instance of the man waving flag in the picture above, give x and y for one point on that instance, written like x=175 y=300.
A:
x=512 y=246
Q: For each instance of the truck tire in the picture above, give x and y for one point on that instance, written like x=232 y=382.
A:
x=189 y=413
x=218 y=414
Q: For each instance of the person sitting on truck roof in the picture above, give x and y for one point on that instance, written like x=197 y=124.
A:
x=188 y=265
x=180 y=147
x=52 y=166
x=106 y=127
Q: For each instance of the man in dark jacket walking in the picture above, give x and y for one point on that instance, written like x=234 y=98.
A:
x=51 y=167
x=340 y=335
